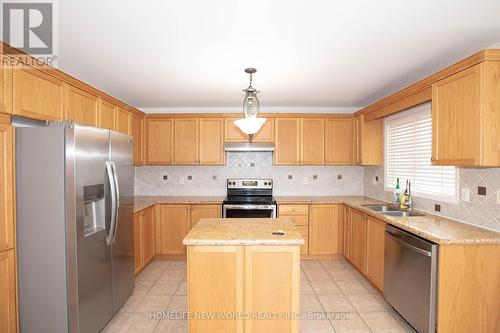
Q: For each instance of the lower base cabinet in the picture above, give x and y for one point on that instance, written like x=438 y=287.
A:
x=243 y=280
x=204 y=211
x=172 y=223
x=375 y=244
x=357 y=240
x=8 y=308
x=324 y=225
x=144 y=238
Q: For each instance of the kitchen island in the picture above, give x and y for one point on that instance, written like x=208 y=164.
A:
x=242 y=277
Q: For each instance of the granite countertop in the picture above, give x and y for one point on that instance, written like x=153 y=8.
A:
x=253 y=231
x=142 y=202
x=435 y=228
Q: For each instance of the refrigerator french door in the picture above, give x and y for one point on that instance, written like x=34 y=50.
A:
x=74 y=226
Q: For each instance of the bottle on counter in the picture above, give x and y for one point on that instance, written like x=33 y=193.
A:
x=397 y=193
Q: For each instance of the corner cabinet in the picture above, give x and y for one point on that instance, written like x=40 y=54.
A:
x=324 y=233
x=369 y=136
x=172 y=223
x=466 y=117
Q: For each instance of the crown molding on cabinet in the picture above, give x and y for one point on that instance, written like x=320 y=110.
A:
x=420 y=91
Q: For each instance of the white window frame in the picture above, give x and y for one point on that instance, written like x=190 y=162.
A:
x=390 y=187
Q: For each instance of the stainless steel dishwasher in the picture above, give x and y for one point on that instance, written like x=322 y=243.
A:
x=410 y=278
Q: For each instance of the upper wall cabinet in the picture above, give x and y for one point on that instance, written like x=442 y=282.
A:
x=369 y=136
x=287 y=141
x=466 y=117
x=5 y=88
x=312 y=141
x=211 y=143
x=186 y=141
x=137 y=133
x=234 y=134
x=339 y=141
x=37 y=95
x=160 y=141
x=123 y=121
x=81 y=107
x=107 y=114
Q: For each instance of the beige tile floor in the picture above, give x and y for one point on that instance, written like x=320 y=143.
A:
x=335 y=298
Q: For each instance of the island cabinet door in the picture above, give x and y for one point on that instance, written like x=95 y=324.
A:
x=272 y=285
x=215 y=283
x=171 y=226
x=324 y=229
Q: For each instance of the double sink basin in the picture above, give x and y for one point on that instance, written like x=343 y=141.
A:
x=393 y=210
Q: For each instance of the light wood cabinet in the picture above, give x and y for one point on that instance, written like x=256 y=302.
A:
x=234 y=134
x=138 y=256
x=272 y=284
x=324 y=229
x=137 y=134
x=144 y=238
x=215 y=282
x=5 y=87
x=357 y=243
x=8 y=293
x=107 y=115
x=204 y=211
x=312 y=141
x=466 y=117
x=81 y=107
x=339 y=145
x=6 y=184
x=172 y=223
x=186 y=138
x=287 y=141
x=375 y=245
x=160 y=141
x=347 y=232
x=123 y=121
x=211 y=141
x=37 y=95
x=298 y=215
x=370 y=141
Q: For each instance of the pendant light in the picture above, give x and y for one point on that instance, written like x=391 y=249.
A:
x=251 y=106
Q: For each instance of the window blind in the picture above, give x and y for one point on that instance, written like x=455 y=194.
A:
x=408 y=149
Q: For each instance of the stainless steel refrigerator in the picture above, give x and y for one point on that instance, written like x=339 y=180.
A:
x=75 y=251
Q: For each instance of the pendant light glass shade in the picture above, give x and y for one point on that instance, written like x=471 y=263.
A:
x=251 y=125
x=251 y=104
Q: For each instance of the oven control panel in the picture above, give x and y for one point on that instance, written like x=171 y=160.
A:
x=250 y=183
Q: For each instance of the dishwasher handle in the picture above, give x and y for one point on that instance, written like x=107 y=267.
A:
x=408 y=246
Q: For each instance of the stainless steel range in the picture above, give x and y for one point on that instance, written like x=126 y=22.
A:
x=249 y=198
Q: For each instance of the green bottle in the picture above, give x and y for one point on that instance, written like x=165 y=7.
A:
x=397 y=192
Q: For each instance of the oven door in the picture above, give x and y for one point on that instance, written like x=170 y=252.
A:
x=249 y=211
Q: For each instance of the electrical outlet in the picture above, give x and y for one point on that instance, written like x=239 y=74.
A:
x=437 y=208
x=465 y=194
x=375 y=181
x=305 y=180
x=181 y=180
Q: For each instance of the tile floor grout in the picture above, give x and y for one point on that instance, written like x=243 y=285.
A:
x=153 y=277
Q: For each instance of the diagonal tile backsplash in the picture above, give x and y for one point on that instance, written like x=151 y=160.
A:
x=211 y=180
x=480 y=210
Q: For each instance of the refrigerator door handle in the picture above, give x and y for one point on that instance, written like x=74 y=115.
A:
x=109 y=173
x=117 y=192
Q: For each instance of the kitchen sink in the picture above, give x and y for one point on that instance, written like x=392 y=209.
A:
x=402 y=213
x=382 y=208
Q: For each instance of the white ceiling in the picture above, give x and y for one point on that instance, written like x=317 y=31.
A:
x=317 y=53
